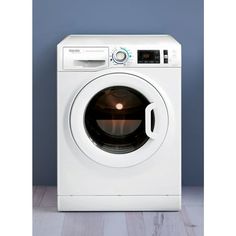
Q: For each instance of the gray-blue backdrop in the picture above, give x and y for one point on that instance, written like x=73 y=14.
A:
x=55 y=19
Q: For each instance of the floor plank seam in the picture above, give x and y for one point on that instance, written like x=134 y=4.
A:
x=189 y=226
x=41 y=199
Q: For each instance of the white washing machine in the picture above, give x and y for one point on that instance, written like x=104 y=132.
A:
x=119 y=123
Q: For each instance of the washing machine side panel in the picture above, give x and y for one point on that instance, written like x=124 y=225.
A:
x=159 y=175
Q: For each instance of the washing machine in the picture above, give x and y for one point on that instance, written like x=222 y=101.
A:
x=119 y=123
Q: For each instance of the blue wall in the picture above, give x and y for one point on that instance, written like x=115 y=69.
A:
x=55 y=19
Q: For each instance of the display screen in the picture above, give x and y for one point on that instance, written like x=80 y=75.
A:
x=148 y=56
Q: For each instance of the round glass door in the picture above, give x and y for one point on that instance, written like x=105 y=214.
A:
x=115 y=119
x=118 y=120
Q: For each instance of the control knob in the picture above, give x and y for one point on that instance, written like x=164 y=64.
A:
x=120 y=56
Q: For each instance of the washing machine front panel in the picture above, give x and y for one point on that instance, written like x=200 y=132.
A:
x=119 y=120
x=119 y=123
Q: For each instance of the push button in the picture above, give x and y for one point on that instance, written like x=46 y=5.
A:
x=165 y=53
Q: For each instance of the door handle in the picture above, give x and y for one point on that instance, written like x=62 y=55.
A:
x=148 y=120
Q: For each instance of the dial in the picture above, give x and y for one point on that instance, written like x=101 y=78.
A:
x=120 y=56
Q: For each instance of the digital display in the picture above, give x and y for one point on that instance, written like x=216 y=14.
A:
x=148 y=56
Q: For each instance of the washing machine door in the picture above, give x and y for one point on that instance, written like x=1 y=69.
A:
x=119 y=120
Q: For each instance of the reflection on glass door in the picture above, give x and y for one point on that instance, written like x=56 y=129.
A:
x=115 y=119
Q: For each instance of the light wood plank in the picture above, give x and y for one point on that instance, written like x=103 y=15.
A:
x=83 y=224
x=195 y=216
x=50 y=197
x=38 y=194
x=173 y=225
x=165 y=224
x=189 y=226
x=199 y=231
x=151 y=227
x=135 y=223
x=34 y=189
x=47 y=222
x=115 y=224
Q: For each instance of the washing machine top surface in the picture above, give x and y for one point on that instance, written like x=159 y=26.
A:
x=117 y=39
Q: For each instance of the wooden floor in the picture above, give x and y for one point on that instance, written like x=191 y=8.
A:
x=48 y=222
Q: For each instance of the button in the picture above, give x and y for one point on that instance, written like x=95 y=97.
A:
x=165 y=53
x=120 y=56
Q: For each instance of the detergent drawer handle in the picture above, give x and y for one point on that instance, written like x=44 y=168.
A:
x=148 y=120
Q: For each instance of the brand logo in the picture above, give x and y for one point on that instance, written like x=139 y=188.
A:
x=74 y=50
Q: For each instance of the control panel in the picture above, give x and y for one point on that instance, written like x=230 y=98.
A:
x=99 y=58
x=101 y=52
x=143 y=57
